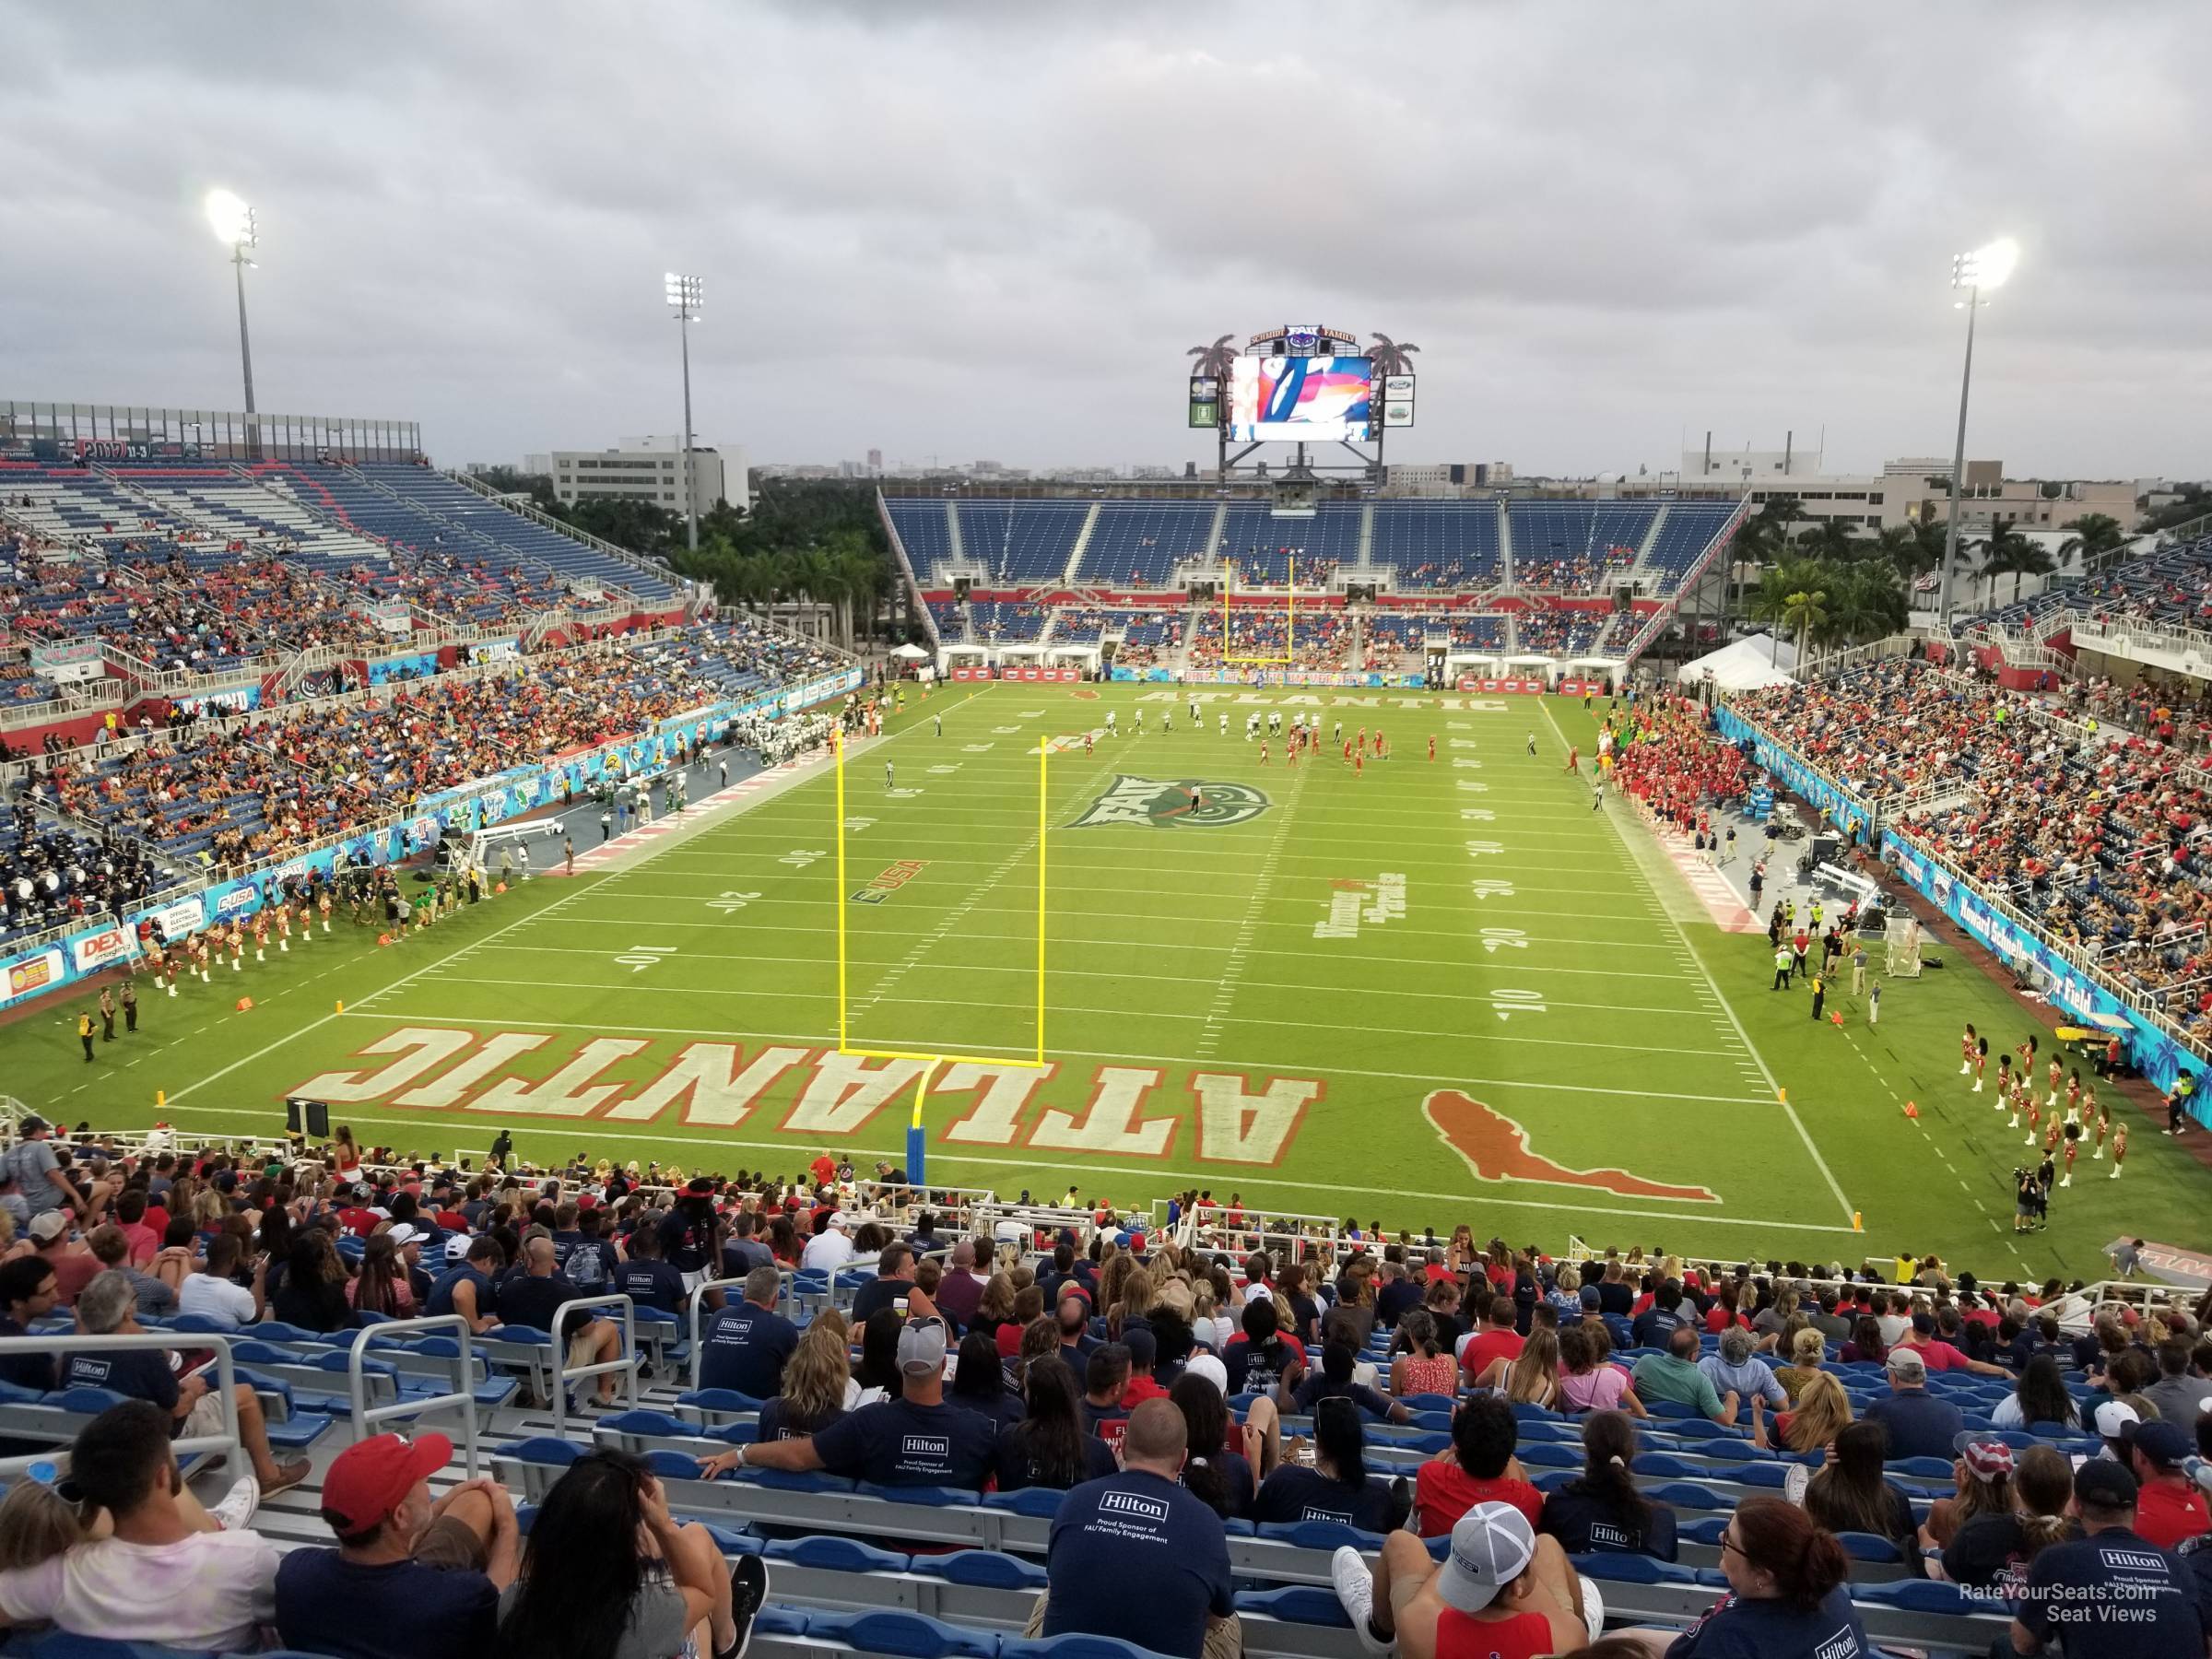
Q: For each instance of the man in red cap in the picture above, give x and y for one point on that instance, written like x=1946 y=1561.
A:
x=411 y=1578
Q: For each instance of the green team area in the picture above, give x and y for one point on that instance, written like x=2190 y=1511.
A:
x=1425 y=991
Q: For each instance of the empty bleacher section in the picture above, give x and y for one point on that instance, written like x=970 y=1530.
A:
x=1572 y=546
x=1138 y=544
x=578 y=566
x=2170 y=588
x=1684 y=535
x=925 y=532
x=1029 y=543
x=1262 y=548
x=1438 y=543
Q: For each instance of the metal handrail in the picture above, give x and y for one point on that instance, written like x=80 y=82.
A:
x=463 y=1396
x=698 y=1301
x=564 y=1373
x=226 y=1391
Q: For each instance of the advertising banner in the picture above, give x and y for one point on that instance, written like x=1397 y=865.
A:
x=28 y=975
x=1518 y=687
x=88 y=953
x=419 y=664
x=68 y=662
x=174 y=920
x=1582 y=687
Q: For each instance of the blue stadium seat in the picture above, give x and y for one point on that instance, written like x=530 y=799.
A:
x=1297 y=1604
x=985 y=1568
x=902 y=1635
x=1029 y=1500
x=1320 y=1534
x=1625 y=1569
x=1073 y=1647
x=834 y=1554
x=1919 y=1595
x=1870 y=1546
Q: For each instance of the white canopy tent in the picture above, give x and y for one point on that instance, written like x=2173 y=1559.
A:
x=1743 y=664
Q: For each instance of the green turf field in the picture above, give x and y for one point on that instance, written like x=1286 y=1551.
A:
x=1428 y=993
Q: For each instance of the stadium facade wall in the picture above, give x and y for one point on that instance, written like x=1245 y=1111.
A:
x=55 y=964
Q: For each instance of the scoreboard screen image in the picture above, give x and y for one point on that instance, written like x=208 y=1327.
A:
x=1285 y=399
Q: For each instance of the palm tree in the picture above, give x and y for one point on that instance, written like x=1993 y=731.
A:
x=1390 y=356
x=1215 y=362
x=2005 y=551
x=1866 y=602
x=1835 y=541
x=1770 y=602
x=1805 y=611
x=2098 y=538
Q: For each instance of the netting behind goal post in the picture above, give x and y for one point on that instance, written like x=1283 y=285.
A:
x=1902 y=937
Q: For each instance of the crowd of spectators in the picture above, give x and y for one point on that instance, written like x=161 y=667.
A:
x=1556 y=631
x=2096 y=835
x=1163 y=1389
x=228 y=795
x=1668 y=758
x=1320 y=638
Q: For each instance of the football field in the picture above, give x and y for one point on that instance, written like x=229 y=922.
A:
x=1423 y=992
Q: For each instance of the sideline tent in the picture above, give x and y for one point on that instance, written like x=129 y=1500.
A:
x=1743 y=664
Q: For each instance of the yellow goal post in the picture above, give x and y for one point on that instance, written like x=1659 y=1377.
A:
x=1228 y=585
x=931 y=1060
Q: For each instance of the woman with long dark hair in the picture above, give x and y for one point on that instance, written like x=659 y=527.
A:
x=1334 y=1486
x=979 y=1381
x=382 y=1285
x=313 y=1296
x=877 y=1369
x=1049 y=1447
x=1851 y=1493
x=2040 y=1396
x=1601 y=1510
x=1865 y=1346
x=1220 y=1479
x=607 y=1574
x=1991 y=1550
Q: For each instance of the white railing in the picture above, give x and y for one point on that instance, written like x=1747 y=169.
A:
x=462 y=1396
x=224 y=1391
x=564 y=1373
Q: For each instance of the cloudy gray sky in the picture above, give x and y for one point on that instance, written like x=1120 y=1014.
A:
x=992 y=229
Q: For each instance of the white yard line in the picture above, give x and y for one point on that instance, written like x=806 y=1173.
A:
x=1742 y=1036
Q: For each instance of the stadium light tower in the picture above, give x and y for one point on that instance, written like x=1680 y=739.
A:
x=683 y=299
x=1985 y=267
x=234 y=227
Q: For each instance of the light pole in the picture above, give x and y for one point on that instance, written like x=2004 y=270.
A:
x=1985 y=267
x=235 y=228
x=683 y=299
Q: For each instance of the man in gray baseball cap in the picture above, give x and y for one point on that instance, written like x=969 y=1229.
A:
x=1498 y=1575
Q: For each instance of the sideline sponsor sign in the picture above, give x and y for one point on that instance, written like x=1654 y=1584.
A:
x=88 y=953
x=33 y=973
x=1520 y=688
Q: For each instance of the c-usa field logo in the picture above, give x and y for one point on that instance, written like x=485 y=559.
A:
x=1167 y=806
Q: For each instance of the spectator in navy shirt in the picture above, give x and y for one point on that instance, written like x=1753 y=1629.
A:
x=746 y=1346
x=2111 y=1593
x=1658 y=1323
x=1399 y=1295
x=1335 y=1382
x=743 y=1250
x=412 y=1578
x=105 y=1310
x=468 y=1289
x=1335 y=1488
x=1787 y=1598
x=1260 y=1358
x=1136 y=1558
x=916 y=1440
x=1050 y=1447
x=535 y=1295
x=1919 y=1425
x=646 y=1278
x=893 y=1282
